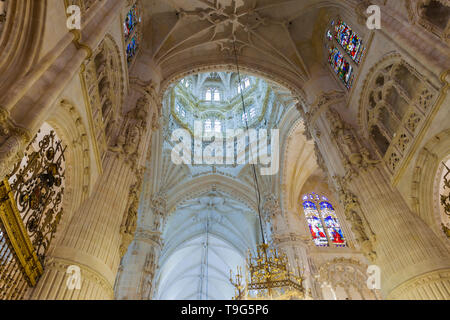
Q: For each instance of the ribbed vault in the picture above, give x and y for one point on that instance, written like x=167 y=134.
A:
x=205 y=238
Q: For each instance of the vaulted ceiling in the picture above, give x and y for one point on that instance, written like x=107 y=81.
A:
x=281 y=35
x=204 y=239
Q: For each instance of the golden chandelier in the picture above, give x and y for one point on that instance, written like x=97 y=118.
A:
x=268 y=277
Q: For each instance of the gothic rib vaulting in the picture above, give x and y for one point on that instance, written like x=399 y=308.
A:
x=220 y=149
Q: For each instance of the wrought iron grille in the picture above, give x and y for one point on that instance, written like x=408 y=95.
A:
x=445 y=197
x=38 y=187
x=13 y=283
x=30 y=211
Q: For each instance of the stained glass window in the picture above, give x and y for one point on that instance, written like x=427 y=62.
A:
x=331 y=223
x=322 y=221
x=349 y=40
x=341 y=66
x=131 y=33
x=132 y=48
x=351 y=44
x=131 y=21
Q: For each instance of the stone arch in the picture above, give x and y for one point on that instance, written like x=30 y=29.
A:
x=395 y=100
x=200 y=185
x=347 y=274
x=432 y=15
x=292 y=176
x=280 y=77
x=21 y=36
x=69 y=126
x=423 y=193
x=105 y=84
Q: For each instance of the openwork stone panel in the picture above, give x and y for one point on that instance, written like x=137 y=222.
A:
x=396 y=102
x=103 y=80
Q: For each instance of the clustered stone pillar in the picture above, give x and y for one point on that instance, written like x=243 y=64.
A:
x=92 y=240
x=284 y=227
x=414 y=263
x=135 y=280
x=99 y=231
x=139 y=266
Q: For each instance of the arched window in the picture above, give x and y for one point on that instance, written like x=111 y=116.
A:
x=322 y=221
x=245 y=83
x=342 y=34
x=216 y=95
x=218 y=126
x=208 y=125
x=208 y=95
x=212 y=94
x=131 y=27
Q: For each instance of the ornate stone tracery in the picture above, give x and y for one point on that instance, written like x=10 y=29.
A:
x=433 y=15
x=364 y=235
x=114 y=211
x=395 y=103
x=104 y=86
x=347 y=274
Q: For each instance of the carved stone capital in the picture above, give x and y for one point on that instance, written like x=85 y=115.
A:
x=355 y=157
x=360 y=226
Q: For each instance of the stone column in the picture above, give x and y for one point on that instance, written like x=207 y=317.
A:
x=139 y=266
x=31 y=98
x=92 y=240
x=286 y=234
x=99 y=232
x=135 y=280
x=414 y=263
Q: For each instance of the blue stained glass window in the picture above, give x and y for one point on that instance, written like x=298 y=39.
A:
x=315 y=224
x=332 y=224
x=131 y=21
x=131 y=34
x=341 y=66
x=349 y=41
x=132 y=49
x=324 y=226
x=329 y=35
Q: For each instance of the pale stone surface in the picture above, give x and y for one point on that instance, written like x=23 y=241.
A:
x=122 y=187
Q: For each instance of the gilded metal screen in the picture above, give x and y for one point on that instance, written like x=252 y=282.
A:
x=30 y=211
x=13 y=284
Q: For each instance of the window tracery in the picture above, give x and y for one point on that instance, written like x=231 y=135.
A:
x=192 y=99
x=213 y=94
x=348 y=42
x=132 y=32
x=322 y=221
x=434 y=16
x=103 y=84
x=396 y=103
